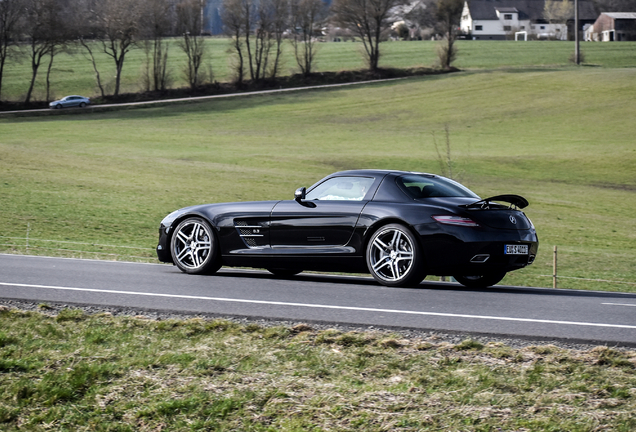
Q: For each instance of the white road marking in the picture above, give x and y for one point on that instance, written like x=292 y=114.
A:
x=319 y=306
x=619 y=304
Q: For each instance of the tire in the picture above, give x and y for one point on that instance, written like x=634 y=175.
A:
x=482 y=281
x=82 y=105
x=194 y=247
x=283 y=272
x=58 y=106
x=394 y=257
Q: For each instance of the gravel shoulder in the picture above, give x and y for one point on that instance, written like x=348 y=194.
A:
x=52 y=309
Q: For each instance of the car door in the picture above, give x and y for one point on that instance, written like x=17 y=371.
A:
x=325 y=218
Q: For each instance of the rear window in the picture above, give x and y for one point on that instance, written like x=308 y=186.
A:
x=419 y=186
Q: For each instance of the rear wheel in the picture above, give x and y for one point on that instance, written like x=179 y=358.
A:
x=481 y=281
x=194 y=247
x=82 y=105
x=394 y=257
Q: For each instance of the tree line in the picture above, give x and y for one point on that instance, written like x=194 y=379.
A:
x=258 y=29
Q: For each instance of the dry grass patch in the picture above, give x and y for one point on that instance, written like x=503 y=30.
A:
x=72 y=371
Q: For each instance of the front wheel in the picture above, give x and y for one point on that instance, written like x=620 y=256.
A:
x=481 y=281
x=394 y=256
x=194 y=247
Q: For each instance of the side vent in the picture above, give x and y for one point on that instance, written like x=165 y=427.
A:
x=253 y=235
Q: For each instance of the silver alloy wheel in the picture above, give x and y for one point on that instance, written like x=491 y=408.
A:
x=391 y=254
x=192 y=245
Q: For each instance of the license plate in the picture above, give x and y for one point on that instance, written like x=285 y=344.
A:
x=516 y=250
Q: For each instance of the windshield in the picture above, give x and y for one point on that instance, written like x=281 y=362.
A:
x=428 y=186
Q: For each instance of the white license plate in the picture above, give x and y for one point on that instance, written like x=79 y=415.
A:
x=516 y=250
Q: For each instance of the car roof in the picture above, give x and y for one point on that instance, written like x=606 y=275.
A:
x=376 y=172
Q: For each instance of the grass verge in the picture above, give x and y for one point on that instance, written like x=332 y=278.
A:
x=78 y=372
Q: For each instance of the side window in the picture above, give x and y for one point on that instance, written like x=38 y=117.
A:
x=341 y=188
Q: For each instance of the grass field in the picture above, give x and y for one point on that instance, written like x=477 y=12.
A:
x=74 y=372
x=563 y=138
x=73 y=72
x=97 y=184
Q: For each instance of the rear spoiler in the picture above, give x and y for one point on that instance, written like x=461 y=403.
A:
x=513 y=200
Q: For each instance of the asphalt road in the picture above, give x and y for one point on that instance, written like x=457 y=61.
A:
x=536 y=313
x=110 y=107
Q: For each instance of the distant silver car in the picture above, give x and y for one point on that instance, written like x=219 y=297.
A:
x=70 y=101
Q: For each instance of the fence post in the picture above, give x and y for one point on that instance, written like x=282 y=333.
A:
x=554 y=269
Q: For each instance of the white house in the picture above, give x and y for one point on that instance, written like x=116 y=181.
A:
x=501 y=19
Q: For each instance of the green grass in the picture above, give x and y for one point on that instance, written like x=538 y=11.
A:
x=73 y=72
x=562 y=138
x=75 y=372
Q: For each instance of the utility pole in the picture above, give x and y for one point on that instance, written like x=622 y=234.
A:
x=577 y=52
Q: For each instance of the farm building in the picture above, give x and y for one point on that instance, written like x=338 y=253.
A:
x=613 y=26
x=501 y=19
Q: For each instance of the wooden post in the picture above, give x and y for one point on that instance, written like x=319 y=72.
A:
x=554 y=269
x=577 y=50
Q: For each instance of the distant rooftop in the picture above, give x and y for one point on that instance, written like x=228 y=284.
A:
x=527 y=9
x=621 y=15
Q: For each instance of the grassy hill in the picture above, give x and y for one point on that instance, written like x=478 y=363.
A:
x=563 y=138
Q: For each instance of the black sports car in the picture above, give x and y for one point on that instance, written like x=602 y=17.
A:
x=399 y=226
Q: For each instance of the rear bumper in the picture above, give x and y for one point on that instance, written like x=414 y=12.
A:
x=467 y=251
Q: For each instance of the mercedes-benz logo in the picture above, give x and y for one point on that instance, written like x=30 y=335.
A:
x=513 y=220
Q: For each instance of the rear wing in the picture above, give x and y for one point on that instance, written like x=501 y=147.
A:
x=515 y=201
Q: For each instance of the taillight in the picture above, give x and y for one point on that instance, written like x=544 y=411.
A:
x=455 y=220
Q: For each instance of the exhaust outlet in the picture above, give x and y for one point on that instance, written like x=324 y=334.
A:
x=480 y=259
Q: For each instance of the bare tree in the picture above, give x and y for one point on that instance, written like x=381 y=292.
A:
x=263 y=41
x=279 y=10
x=306 y=16
x=87 y=30
x=423 y=15
x=256 y=28
x=369 y=19
x=190 y=24
x=234 y=14
x=558 y=11
x=157 y=23
x=60 y=33
x=10 y=13
x=41 y=18
x=88 y=47
x=117 y=26
x=448 y=15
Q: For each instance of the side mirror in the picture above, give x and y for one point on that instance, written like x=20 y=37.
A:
x=300 y=194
